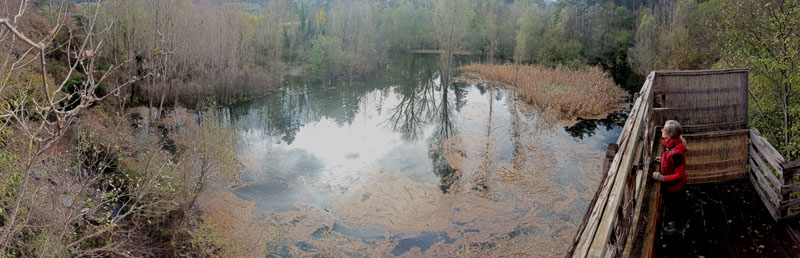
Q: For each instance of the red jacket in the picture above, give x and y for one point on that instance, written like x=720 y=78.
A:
x=674 y=177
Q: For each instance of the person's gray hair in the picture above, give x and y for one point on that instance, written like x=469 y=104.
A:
x=674 y=130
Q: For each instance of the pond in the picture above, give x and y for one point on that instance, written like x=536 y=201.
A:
x=402 y=164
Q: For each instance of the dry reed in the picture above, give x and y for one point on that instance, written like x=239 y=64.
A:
x=588 y=93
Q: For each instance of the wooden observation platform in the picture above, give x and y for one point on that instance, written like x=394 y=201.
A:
x=623 y=218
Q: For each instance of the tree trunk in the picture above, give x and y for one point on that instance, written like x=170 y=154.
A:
x=786 y=122
x=516 y=74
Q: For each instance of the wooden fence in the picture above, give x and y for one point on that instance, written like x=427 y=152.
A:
x=712 y=106
x=776 y=181
x=604 y=228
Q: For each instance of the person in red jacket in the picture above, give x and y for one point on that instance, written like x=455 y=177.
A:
x=672 y=173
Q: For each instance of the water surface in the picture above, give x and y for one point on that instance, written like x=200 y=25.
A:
x=403 y=164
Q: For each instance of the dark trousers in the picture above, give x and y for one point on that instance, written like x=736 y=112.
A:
x=675 y=206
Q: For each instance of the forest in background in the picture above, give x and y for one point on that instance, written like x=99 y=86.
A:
x=74 y=71
x=242 y=49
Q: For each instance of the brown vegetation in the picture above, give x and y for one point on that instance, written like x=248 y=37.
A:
x=111 y=189
x=574 y=93
x=439 y=51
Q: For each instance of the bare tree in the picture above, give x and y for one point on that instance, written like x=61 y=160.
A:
x=43 y=109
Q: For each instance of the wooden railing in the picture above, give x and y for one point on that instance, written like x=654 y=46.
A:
x=622 y=217
x=775 y=180
x=606 y=226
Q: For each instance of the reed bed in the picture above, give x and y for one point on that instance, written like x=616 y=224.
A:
x=587 y=93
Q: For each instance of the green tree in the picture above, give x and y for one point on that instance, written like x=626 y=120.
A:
x=558 y=49
x=451 y=24
x=679 y=40
x=645 y=51
x=492 y=23
x=327 y=59
x=764 y=35
x=406 y=27
x=529 y=31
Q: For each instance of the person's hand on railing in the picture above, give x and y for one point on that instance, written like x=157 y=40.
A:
x=658 y=159
x=658 y=176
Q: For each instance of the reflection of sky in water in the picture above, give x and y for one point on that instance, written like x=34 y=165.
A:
x=340 y=148
x=303 y=144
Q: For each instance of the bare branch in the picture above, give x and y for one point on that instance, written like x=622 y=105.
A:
x=20 y=35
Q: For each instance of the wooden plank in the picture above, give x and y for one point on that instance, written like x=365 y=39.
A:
x=641 y=181
x=785 y=189
x=587 y=234
x=791 y=168
x=715 y=164
x=768 y=151
x=772 y=156
x=788 y=179
x=640 y=196
x=746 y=87
x=609 y=255
x=689 y=110
x=652 y=230
x=792 y=172
x=622 y=194
x=764 y=169
x=717 y=177
x=771 y=161
x=689 y=117
x=791 y=164
x=716 y=134
x=611 y=151
x=699 y=154
x=764 y=200
x=641 y=243
x=789 y=203
x=696 y=91
x=599 y=245
x=767 y=188
x=629 y=194
x=698 y=72
x=790 y=217
x=694 y=177
x=723 y=175
x=741 y=170
x=691 y=129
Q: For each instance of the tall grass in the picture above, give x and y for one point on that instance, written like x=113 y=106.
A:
x=587 y=93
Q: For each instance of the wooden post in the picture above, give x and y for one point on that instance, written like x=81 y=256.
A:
x=787 y=180
x=611 y=150
x=746 y=99
x=789 y=171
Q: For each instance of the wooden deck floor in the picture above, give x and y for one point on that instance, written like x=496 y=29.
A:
x=726 y=220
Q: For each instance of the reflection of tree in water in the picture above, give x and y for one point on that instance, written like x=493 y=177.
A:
x=443 y=118
x=280 y=115
x=283 y=114
x=587 y=127
x=416 y=102
x=424 y=100
x=483 y=182
x=424 y=103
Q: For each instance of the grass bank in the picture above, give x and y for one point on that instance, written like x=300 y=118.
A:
x=587 y=93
